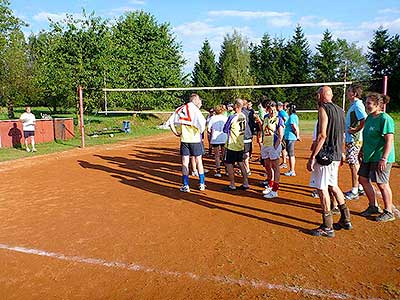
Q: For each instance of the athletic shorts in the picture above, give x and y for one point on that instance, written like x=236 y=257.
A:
x=352 y=150
x=232 y=157
x=270 y=152
x=283 y=143
x=324 y=176
x=218 y=145
x=290 y=147
x=248 y=148
x=192 y=149
x=29 y=133
x=370 y=170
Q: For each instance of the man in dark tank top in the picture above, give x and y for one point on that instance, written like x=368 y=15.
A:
x=330 y=137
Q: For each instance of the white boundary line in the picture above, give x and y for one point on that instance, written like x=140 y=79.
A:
x=216 y=279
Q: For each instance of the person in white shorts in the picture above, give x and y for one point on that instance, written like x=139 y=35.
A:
x=271 y=148
x=28 y=126
x=324 y=163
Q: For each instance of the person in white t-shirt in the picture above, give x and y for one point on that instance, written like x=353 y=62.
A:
x=28 y=126
x=217 y=136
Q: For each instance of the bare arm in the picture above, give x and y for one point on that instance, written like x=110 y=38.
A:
x=386 y=150
x=321 y=137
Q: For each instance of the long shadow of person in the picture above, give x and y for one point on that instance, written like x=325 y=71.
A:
x=16 y=136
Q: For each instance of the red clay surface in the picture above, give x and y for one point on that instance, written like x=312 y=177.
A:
x=120 y=203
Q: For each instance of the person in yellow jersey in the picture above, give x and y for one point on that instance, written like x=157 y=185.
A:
x=271 y=148
x=234 y=128
x=188 y=123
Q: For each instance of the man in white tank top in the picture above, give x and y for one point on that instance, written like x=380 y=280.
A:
x=28 y=126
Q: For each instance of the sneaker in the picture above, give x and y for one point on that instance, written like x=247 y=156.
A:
x=343 y=224
x=34 y=150
x=386 y=216
x=185 y=189
x=283 y=166
x=323 y=231
x=290 y=173
x=267 y=190
x=28 y=150
x=195 y=173
x=371 y=210
x=218 y=174
x=335 y=211
x=243 y=187
x=350 y=195
x=314 y=194
x=228 y=188
x=264 y=183
x=202 y=187
x=271 y=195
x=361 y=192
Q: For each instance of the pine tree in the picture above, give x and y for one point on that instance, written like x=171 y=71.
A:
x=394 y=78
x=325 y=61
x=297 y=60
x=379 y=57
x=205 y=74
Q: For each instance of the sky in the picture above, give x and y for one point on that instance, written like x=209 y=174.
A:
x=193 y=21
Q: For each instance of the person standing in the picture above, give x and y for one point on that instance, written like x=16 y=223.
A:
x=291 y=135
x=324 y=163
x=188 y=123
x=28 y=126
x=217 y=136
x=355 y=119
x=235 y=127
x=248 y=136
x=284 y=115
x=271 y=148
x=378 y=156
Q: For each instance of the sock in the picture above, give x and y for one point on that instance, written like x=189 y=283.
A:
x=344 y=213
x=271 y=183
x=202 y=178
x=327 y=220
x=354 y=190
x=275 y=186
x=185 y=179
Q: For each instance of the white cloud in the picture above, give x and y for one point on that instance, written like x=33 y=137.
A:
x=317 y=22
x=389 y=11
x=248 y=14
x=45 y=16
x=392 y=25
x=137 y=2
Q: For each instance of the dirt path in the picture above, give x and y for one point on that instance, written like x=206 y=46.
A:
x=109 y=223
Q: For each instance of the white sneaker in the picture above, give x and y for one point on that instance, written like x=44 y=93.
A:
x=202 y=187
x=185 y=189
x=290 y=173
x=195 y=173
x=271 y=195
x=267 y=190
x=28 y=150
x=219 y=175
x=34 y=150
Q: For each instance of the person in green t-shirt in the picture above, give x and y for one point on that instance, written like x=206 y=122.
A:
x=377 y=154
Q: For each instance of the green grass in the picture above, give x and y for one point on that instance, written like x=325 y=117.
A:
x=141 y=125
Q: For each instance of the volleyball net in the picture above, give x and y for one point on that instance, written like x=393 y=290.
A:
x=142 y=100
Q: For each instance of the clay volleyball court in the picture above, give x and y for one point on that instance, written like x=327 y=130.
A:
x=110 y=223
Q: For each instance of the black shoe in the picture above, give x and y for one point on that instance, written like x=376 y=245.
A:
x=343 y=225
x=243 y=188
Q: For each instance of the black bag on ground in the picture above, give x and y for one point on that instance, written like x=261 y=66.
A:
x=325 y=155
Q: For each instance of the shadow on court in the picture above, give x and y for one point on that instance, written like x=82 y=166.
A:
x=158 y=171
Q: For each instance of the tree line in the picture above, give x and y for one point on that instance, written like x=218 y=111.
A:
x=135 y=51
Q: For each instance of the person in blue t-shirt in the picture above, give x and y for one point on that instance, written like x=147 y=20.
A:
x=284 y=116
x=291 y=135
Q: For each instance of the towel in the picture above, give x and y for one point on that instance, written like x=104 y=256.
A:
x=188 y=114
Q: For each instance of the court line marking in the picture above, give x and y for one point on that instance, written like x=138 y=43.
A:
x=260 y=284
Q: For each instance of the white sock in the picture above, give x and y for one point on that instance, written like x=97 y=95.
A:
x=354 y=190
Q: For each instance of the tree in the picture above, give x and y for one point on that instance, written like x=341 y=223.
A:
x=234 y=65
x=12 y=58
x=145 y=54
x=352 y=62
x=394 y=79
x=205 y=74
x=297 y=61
x=325 y=61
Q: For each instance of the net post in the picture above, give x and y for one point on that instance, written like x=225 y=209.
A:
x=384 y=89
x=81 y=124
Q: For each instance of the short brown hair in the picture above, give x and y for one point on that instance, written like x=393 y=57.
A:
x=356 y=89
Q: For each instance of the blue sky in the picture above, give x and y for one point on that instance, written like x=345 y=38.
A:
x=193 y=21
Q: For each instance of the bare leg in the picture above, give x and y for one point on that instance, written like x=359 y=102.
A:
x=369 y=191
x=231 y=175
x=386 y=195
